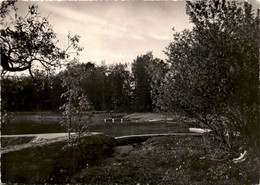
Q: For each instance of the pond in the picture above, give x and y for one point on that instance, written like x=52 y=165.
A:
x=23 y=125
x=123 y=129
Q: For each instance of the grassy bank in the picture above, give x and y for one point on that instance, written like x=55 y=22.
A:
x=170 y=160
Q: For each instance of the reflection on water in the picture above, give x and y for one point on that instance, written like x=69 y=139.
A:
x=28 y=126
x=25 y=126
x=123 y=129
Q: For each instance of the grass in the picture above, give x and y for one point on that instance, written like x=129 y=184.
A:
x=169 y=160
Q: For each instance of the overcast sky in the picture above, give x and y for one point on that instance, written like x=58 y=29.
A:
x=115 y=31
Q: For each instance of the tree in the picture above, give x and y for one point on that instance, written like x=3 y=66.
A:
x=232 y=32
x=214 y=75
x=157 y=70
x=20 y=93
x=95 y=86
x=75 y=116
x=120 y=87
x=29 y=42
x=142 y=87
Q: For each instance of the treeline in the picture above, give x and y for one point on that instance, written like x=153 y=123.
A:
x=117 y=87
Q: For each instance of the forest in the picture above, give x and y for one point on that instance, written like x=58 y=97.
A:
x=108 y=88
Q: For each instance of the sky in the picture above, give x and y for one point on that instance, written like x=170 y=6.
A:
x=115 y=31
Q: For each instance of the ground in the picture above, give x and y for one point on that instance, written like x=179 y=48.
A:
x=163 y=160
x=168 y=160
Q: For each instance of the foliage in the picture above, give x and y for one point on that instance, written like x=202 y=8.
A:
x=20 y=93
x=29 y=42
x=107 y=87
x=120 y=87
x=92 y=85
x=157 y=71
x=142 y=87
x=75 y=116
x=214 y=70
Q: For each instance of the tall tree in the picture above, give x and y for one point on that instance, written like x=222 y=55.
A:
x=142 y=87
x=95 y=86
x=157 y=70
x=119 y=81
x=214 y=74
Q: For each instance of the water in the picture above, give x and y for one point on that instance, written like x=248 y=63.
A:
x=123 y=129
x=29 y=126
x=24 y=126
x=44 y=122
